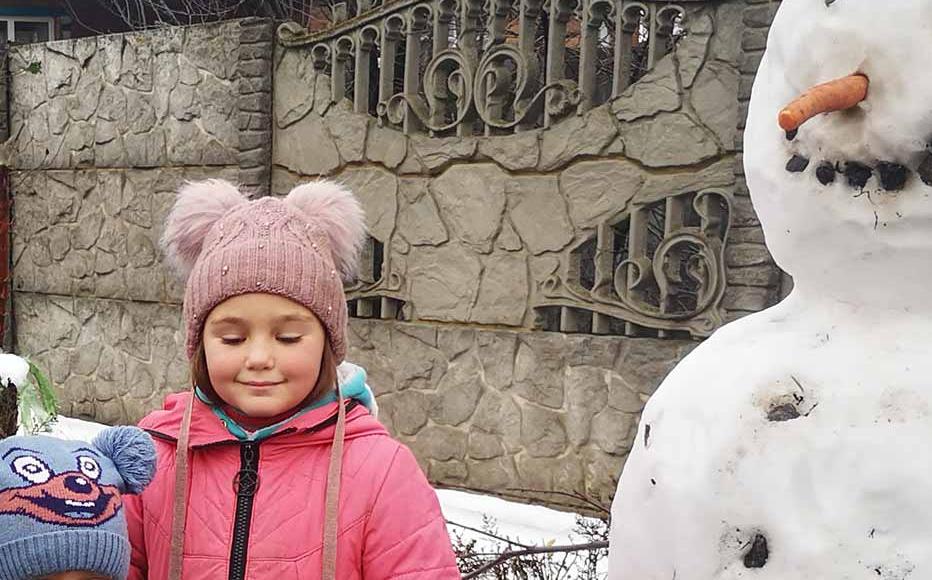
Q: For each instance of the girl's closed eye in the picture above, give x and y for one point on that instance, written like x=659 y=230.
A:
x=290 y=338
x=232 y=339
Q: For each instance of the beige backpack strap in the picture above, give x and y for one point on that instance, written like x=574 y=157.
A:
x=332 y=501
x=179 y=505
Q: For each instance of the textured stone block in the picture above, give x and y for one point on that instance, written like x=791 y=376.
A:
x=109 y=360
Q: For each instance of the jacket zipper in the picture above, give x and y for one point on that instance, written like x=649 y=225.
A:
x=245 y=484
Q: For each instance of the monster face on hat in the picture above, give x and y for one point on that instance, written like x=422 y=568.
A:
x=61 y=506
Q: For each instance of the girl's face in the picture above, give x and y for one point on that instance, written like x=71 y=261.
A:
x=263 y=353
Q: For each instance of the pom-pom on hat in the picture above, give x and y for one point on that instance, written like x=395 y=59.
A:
x=302 y=247
x=61 y=505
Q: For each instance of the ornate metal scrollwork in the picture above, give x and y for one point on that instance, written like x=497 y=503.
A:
x=489 y=60
x=494 y=86
x=449 y=77
x=676 y=286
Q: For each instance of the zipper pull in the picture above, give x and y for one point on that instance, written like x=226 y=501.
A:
x=246 y=480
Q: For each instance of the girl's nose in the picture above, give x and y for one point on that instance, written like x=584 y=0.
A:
x=260 y=356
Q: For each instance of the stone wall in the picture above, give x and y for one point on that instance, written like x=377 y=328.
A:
x=513 y=413
x=474 y=227
x=756 y=19
x=104 y=131
x=468 y=235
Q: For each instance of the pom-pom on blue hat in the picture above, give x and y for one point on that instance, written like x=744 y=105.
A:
x=61 y=505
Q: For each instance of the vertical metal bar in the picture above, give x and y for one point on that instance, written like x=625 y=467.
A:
x=662 y=20
x=495 y=35
x=417 y=25
x=675 y=214
x=529 y=13
x=498 y=21
x=340 y=12
x=622 y=64
x=443 y=16
x=595 y=13
x=653 y=38
x=674 y=218
x=560 y=13
x=604 y=272
x=444 y=12
x=601 y=324
x=573 y=320
x=338 y=72
x=637 y=248
x=365 y=308
x=604 y=257
x=389 y=308
x=391 y=34
x=470 y=12
x=556 y=42
x=365 y=43
x=627 y=22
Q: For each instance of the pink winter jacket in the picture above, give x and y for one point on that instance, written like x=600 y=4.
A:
x=390 y=524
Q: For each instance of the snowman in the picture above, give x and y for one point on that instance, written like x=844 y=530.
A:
x=796 y=443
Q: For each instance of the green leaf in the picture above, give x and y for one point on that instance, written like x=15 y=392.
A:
x=46 y=393
x=38 y=408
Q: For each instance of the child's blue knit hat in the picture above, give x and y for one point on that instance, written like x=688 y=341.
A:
x=61 y=506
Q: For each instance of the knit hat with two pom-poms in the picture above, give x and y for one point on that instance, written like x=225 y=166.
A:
x=301 y=247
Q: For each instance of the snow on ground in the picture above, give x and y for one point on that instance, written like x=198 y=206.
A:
x=528 y=523
x=68 y=428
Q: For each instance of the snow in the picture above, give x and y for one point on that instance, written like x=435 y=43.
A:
x=77 y=429
x=808 y=425
x=522 y=522
x=13 y=369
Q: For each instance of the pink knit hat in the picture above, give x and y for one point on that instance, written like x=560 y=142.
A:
x=301 y=247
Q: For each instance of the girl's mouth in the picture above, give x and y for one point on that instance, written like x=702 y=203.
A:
x=261 y=384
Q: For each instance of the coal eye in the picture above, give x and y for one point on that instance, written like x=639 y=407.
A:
x=829 y=2
x=89 y=466
x=31 y=469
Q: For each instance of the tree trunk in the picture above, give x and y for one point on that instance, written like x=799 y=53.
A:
x=9 y=414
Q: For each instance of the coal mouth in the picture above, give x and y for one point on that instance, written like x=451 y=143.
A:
x=892 y=176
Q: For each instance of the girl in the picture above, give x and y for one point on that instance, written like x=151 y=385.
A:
x=273 y=472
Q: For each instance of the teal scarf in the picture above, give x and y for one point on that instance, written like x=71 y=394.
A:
x=354 y=388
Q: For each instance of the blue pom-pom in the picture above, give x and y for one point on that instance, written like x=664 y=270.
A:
x=132 y=451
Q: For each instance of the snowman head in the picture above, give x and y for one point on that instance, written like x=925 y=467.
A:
x=850 y=189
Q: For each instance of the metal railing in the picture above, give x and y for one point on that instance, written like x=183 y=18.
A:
x=468 y=67
x=657 y=270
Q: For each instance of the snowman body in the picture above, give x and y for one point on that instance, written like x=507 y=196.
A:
x=797 y=442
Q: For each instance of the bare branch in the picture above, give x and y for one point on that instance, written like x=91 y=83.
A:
x=489 y=534
x=601 y=509
x=141 y=14
x=505 y=556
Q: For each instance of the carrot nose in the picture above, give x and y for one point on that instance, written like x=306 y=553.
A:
x=835 y=95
